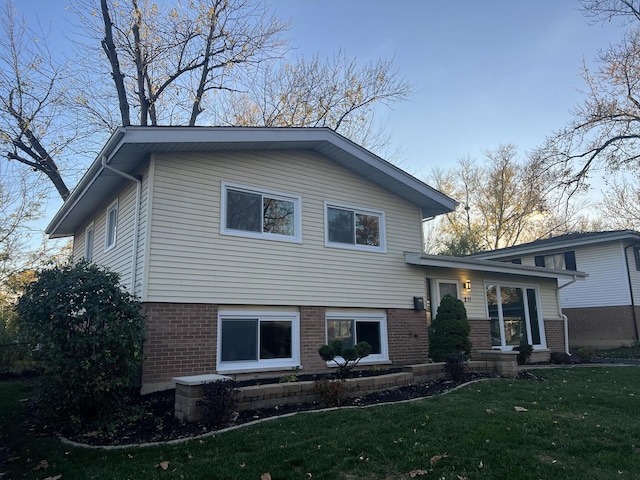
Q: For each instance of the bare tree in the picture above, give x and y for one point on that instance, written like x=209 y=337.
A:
x=165 y=61
x=31 y=100
x=337 y=93
x=622 y=203
x=604 y=133
x=503 y=202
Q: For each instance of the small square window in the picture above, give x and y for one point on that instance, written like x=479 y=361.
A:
x=260 y=214
x=111 y=227
x=348 y=227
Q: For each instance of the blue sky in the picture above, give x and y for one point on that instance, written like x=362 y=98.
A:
x=486 y=72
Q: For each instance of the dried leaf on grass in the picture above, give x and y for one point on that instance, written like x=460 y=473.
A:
x=418 y=473
x=436 y=458
x=520 y=409
x=265 y=476
x=55 y=477
x=163 y=465
x=43 y=465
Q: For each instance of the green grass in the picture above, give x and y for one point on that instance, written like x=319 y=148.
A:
x=620 y=352
x=580 y=423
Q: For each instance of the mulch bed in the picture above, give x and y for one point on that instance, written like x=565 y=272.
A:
x=158 y=424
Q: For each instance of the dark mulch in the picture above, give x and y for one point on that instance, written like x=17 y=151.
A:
x=158 y=424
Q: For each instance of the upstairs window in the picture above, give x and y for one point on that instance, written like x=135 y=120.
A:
x=558 y=261
x=88 y=243
x=261 y=214
x=348 y=227
x=111 y=227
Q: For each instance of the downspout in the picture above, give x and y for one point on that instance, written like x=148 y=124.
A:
x=136 y=220
x=633 y=303
x=565 y=320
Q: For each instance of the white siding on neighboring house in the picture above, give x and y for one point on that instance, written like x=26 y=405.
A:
x=190 y=261
x=607 y=283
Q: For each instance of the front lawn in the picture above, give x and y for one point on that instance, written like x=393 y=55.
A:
x=577 y=423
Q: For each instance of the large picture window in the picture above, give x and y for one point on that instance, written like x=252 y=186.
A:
x=254 y=340
x=258 y=213
x=348 y=227
x=351 y=329
x=515 y=316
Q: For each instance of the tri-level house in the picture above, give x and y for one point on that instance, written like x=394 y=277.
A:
x=252 y=247
x=603 y=311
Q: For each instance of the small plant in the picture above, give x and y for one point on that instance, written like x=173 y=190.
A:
x=456 y=366
x=449 y=331
x=524 y=352
x=219 y=402
x=331 y=392
x=346 y=358
x=291 y=377
x=560 y=358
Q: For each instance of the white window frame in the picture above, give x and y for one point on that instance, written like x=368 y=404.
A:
x=260 y=365
x=89 y=246
x=382 y=248
x=297 y=214
x=524 y=286
x=108 y=245
x=440 y=281
x=381 y=318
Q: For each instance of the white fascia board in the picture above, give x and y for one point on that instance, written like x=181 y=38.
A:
x=491 y=266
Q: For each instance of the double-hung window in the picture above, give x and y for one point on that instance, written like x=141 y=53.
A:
x=250 y=341
x=111 y=226
x=558 y=261
x=352 y=329
x=250 y=212
x=354 y=227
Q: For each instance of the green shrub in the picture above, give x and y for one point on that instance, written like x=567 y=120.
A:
x=524 y=352
x=449 y=331
x=560 y=358
x=331 y=392
x=219 y=402
x=88 y=335
x=456 y=366
x=346 y=358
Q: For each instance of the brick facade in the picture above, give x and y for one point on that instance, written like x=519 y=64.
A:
x=480 y=335
x=408 y=336
x=554 y=331
x=601 y=326
x=181 y=341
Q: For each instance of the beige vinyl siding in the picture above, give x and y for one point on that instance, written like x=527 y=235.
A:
x=476 y=305
x=189 y=259
x=118 y=258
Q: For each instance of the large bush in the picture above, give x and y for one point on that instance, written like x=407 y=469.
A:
x=449 y=331
x=88 y=333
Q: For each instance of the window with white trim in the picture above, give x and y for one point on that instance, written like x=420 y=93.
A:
x=88 y=243
x=352 y=329
x=258 y=341
x=354 y=227
x=250 y=212
x=516 y=315
x=111 y=226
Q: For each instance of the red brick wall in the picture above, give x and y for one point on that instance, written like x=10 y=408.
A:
x=600 y=326
x=408 y=336
x=181 y=340
x=554 y=331
x=312 y=336
x=480 y=334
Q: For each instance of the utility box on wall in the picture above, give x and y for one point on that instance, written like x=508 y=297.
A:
x=418 y=303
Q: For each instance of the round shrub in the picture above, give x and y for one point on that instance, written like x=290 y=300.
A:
x=88 y=334
x=449 y=331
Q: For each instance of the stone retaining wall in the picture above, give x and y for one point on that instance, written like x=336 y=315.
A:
x=189 y=390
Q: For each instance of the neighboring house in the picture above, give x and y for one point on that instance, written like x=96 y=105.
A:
x=252 y=247
x=603 y=311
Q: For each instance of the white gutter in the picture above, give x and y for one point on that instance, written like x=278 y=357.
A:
x=136 y=220
x=575 y=279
